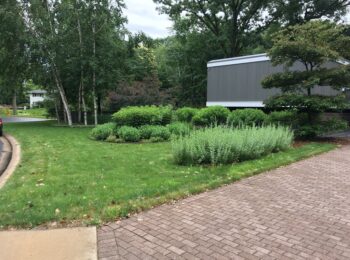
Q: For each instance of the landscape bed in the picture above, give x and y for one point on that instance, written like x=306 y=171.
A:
x=65 y=177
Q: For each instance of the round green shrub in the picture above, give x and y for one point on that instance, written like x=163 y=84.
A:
x=102 y=132
x=161 y=132
x=208 y=116
x=286 y=117
x=179 y=129
x=129 y=134
x=146 y=131
x=154 y=131
x=143 y=115
x=246 y=117
x=186 y=114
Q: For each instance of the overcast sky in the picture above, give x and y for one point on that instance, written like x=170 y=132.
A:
x=143 y=16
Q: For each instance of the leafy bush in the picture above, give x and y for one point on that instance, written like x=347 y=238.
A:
x=186 y=114
x=179 y=129
x=286 y=118
x=209 y=116
x=247 y=117
x=101 y=132
x=303 y=128
x=161 y=132
x=335 y=124
x=155 y=131
x=143 y=115
x=146 y=131
x=308 y=131
x=223 y=145
x=129 y=134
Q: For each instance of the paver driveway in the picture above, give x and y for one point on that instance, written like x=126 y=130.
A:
x=301 y=211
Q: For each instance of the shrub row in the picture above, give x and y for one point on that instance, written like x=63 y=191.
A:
x=110 y=132
x=218 y=115
x=143 y=115
x=224 y=145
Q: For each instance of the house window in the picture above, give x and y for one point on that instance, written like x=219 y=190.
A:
x=37 y=95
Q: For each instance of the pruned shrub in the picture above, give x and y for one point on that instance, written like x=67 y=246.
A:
x=246 y=117
x=101 y=132
x=286 y=118
x=224 y=145
x=161 y=132
x=210 y=116
x=179 y=128
x=143 y=115
x=186 y=114
x=129 y=134
x=154 y=131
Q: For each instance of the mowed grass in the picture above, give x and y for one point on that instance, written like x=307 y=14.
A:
x=65 y=177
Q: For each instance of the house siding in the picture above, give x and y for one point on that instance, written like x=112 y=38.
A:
x=242 y=82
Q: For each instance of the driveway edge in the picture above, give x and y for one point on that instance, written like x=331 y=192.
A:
x=10 y=158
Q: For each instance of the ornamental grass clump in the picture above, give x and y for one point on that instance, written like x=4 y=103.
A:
x=225 y=145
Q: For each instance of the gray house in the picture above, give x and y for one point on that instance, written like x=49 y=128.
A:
x=236 y=82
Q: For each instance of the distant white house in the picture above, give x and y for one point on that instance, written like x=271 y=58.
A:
x=36 y=96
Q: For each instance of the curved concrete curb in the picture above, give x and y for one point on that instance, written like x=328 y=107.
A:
x=10 y=158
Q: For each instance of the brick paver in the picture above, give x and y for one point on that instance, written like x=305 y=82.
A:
x=301 y=211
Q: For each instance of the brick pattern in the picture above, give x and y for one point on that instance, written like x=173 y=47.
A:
x=301 y=211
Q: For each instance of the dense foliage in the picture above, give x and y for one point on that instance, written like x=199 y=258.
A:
x=246 y=117
x=223 y=145
x=102 y=132
x=211 y=116
x=155 y=133
x=185 y=114
x=143 y=115
x=129 y=134
x=313 y=45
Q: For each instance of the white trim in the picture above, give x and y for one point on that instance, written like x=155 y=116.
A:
x=251 y=59
x=236 y=103
x=343 y=62
x=238 y=60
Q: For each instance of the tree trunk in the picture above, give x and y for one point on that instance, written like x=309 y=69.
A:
x=82 y=87
x=14 y=103
x=84 y=106
x=56 y=73
x=94 y=70
x=79 y=105
x=63 y=97
x=57 y=112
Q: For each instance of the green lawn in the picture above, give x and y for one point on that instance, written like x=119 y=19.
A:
x=66 y=177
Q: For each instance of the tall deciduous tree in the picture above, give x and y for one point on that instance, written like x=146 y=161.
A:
x=47 y=39
x=230 y=21
x=13 y=51
x=293 y=12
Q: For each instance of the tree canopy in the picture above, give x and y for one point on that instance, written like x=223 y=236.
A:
x=315 y=45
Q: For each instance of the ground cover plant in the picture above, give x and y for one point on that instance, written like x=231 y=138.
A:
x=65 y=177
x=224 y=145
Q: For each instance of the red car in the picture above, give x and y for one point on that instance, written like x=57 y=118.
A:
x=1 y=124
